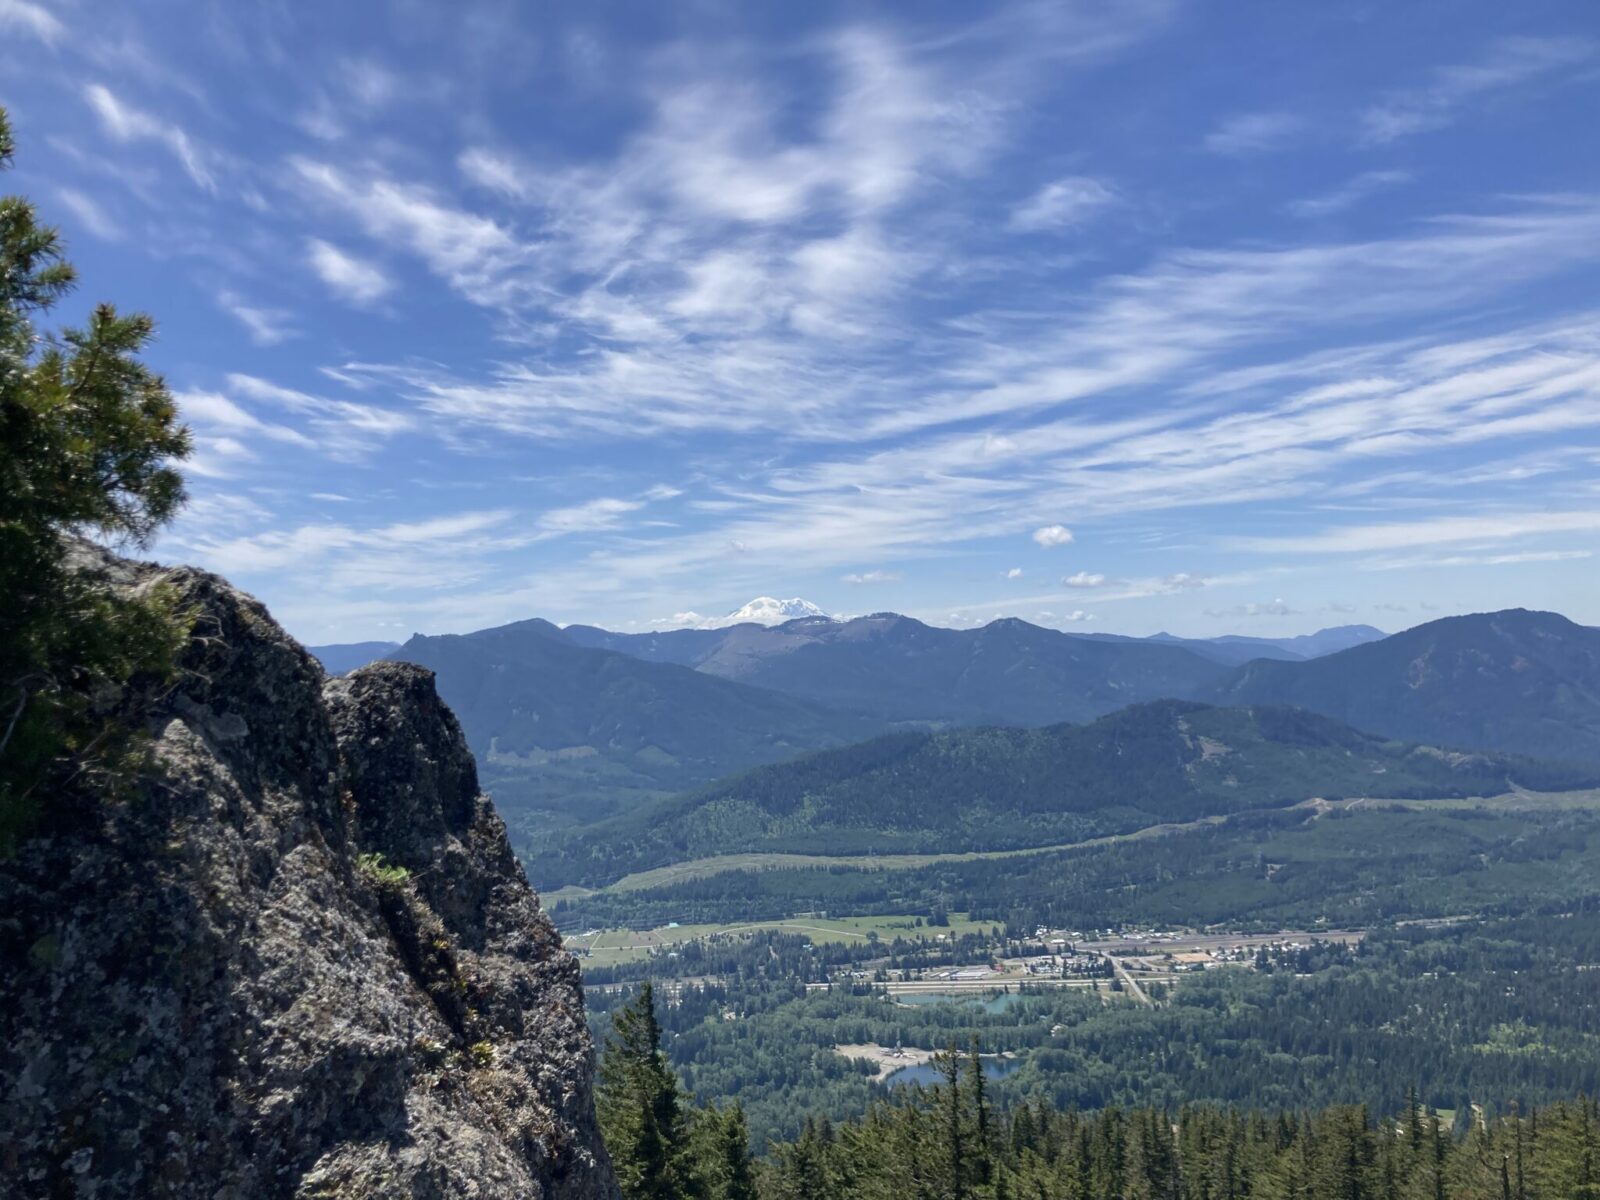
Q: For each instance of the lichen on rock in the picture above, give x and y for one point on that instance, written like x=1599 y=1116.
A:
x=206 y=990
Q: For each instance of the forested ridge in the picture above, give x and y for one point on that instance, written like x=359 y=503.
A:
x=953 y=1141
x=993 y=789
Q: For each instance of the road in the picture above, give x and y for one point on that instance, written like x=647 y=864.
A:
x=1132 y=984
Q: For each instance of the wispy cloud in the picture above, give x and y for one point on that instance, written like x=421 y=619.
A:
x=592 y=515
x=349 y=277
x=435 y=552
x=1254 y=133
x=31 y=18
x=871 y=577
x=213 y=411
x=90 y=214
x=474 y=253
x=1349 y=194
x=1066 y=203
x=342 y=429
x=126 y=123
x=266 y=326
x=1508 y=63
x=1399 y=535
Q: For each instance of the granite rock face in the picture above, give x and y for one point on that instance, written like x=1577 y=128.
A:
x=298 y=960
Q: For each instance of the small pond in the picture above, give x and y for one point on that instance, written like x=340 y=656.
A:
x=927 y=1074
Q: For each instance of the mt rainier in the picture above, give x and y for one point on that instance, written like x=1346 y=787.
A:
x=763 y=610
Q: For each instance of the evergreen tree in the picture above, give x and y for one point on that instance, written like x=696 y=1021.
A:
x=953 y=1142
x=88 y=435
x=982 y=1152
x=639 y=1108
x=721 y=1151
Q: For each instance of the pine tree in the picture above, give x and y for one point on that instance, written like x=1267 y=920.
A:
x=88 y=435
x=639 y=1108
x=721 y=1153
x=982 y=1152
x=953 y=1142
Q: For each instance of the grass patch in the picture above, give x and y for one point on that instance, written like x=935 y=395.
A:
x=608 y=947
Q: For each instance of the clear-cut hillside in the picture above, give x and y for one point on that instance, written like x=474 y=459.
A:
x=296 y=959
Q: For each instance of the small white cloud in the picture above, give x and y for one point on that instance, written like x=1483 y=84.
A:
x=1078 y=614
x=1064 y=203
x=1084 y=579
x=1253 y=133
x=870 y=577
x=266 y=326
x=1049 y=536
x=357 y=281
x=30 y=18
x=680 y=620
x=1014 y=573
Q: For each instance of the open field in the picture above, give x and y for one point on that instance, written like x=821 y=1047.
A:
x=608 y=946
x=702 y=868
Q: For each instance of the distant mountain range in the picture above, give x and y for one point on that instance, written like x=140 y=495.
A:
x=568 y=727
x=573 y=725
x=993 y=789
x=895 y=668
x=1515 y=681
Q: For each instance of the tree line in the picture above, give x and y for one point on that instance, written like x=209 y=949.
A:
x=951 y=1141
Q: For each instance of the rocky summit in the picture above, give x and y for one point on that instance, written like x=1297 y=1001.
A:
x=296 y=959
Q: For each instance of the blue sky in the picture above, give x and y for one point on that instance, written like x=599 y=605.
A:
x=1246 y=317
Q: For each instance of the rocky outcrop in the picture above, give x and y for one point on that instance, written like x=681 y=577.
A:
x=298 y=959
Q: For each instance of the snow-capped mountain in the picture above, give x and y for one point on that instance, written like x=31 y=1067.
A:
x=765 y=610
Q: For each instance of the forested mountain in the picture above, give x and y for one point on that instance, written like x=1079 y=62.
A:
x=686 y=647
x=1235 y=649
x=1008 y=672
x=1515 y=681
x=551 y=722
x=994 y=788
